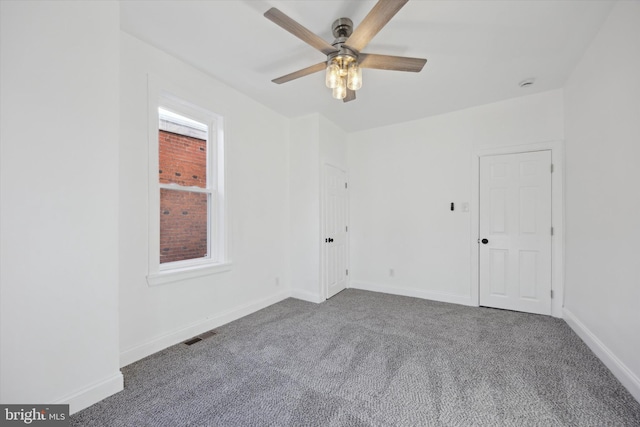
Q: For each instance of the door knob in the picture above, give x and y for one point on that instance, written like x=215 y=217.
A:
x=485 y=241
x=330 y=240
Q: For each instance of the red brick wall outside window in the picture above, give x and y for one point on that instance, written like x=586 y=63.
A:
x=183 y=214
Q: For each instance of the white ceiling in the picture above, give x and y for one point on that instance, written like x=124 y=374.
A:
x=477 y=51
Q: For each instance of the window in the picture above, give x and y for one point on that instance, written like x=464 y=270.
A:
x=185 y=189
x=187 y=235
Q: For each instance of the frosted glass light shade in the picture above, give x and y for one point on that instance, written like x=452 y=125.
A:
x=354 y=77
x=343 y=69
x=340 y=91
x=332 y=75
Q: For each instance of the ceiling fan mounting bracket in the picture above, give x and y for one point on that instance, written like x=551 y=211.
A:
x=342 y=27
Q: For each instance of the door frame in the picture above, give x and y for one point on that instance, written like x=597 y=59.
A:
x=557 y=216
x=324 y=285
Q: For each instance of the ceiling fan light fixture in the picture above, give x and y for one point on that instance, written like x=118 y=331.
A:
x=344 y=64
x=342 y=72
x=354 y=76
x=340 y=91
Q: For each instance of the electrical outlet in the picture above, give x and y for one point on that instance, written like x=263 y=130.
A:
x=277 y=281
x=392 y=272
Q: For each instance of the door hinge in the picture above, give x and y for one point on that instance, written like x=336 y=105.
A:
x=552 y=231
x=345 y=185
x=551 y=167
x=347 y=272
x=551 y=293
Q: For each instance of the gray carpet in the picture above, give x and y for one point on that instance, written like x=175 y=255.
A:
x=370 y=359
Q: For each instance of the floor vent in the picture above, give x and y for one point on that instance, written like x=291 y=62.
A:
x=207 y=334
x=200 y=337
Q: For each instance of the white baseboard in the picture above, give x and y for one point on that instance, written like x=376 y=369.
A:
x=306 y=296
x=174 y=337
x=611 y=361
x=94 y=393
x=416 y=293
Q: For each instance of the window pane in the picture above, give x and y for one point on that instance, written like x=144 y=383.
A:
x=183 y=151
x=183 y=225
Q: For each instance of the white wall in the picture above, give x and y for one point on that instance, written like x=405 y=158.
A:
x=403 y=179
x=602 y=195
x=256 y=143
x=333 y=144
x=59 y=202
x=304 y=190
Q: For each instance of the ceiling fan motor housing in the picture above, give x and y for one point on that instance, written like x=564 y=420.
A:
x=342 y=29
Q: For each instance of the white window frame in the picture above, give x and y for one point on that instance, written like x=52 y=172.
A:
x=217 y=259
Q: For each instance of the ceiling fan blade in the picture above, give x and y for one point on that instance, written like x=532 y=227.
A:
x=299 y=31
x=377 y=18
x=388 y=62
x=351 y=95
x=301 y=73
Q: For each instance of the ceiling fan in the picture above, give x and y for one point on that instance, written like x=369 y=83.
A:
x=344 y=58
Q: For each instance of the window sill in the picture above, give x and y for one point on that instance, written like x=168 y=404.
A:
x=177 y=275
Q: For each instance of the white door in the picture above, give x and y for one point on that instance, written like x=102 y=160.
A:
x=515 y=232
x=335 y=230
